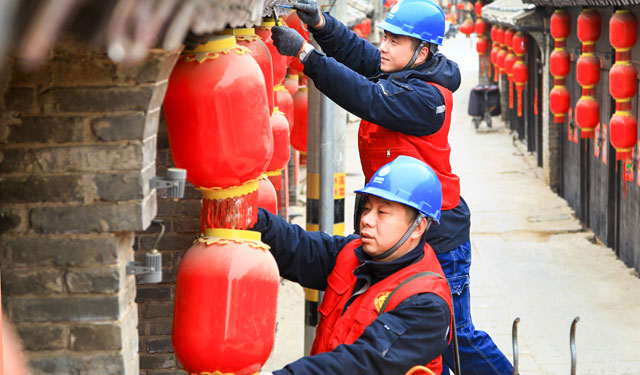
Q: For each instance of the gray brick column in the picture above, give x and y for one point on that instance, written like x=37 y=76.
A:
x=77 y=149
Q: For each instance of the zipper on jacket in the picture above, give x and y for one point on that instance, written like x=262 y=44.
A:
x=388 y=153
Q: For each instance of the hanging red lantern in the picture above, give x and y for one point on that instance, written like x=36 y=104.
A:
x=281 y=152
x=207 y=92
x=279 y=61
x=284 y=101
x=482 y=45
x=481 y=27
x=247 y=37
x=460 y=6
x=495 y=49
x=291 y=83
x=509 y=60
x=478 y=8
x=559 y=65
x=227 y=272
x=299 y=131
x=467 y=27
x=267 y=196
x=520 y=46
x=588 y=73
x=623 y=83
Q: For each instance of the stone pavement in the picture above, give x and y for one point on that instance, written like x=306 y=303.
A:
x=531 y=257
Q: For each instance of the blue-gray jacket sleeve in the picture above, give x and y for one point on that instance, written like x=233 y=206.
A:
x=414 y=333
x=303 y=257
x=339 y=42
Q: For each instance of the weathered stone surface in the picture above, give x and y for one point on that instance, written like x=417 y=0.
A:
x=103 y=250
x=159 y=327
x=36 y=337
x=159 y=345
x=99 y=99
x=64 y=188
x=158 y=310
x=122 y=187
x=156 y=67
x=17 y=281
x=153 y=293
x=8 y=221
x=153 y=361
x=129 y=216
x=85 y=364
x=169 y=242
x=45 y=129
x=19 y=99
x=82 y=70
x=120 y=126
x=96 y=337
x=61 y=309
x=92 y=280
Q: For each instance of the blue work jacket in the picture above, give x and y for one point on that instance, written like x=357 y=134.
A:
x=416 y=330
x=349 y=74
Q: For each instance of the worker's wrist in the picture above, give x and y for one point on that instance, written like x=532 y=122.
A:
x=320 y=24
x=304 y=52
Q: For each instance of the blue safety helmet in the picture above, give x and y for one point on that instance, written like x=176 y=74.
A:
x=408 y=181
x=420 y=19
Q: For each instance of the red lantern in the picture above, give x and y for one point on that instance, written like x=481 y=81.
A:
x=520 y=46
x=467 y=27
x=494 y=59
x=478 y=8
x=279 y=61
x=280 y=130
x=481 y=27
x=623 y=83
x=460 y=6
x=260 y=52
x=509 y=60
x=291 y=83
x=494 y=33
x=207 y=92
x=284 y=101
x=559 y=64
x=267 y=196
x=588 y=73
x=221 y=279
x=299 y=131
x=482 y=45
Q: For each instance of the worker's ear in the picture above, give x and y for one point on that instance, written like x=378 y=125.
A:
x=422 y=55
x=420 y=229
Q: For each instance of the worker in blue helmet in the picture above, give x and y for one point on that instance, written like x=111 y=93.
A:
x=402 y=91
x=387 y=307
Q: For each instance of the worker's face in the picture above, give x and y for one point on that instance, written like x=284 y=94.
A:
x=382 y=225
x=395 y=52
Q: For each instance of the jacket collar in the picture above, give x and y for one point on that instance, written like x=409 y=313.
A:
x=376 y=271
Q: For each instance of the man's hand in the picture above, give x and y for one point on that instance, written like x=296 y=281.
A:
x=309 y=13
x=287 y=40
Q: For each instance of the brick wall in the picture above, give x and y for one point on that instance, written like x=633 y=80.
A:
x=551 y=132
x=155 y=301
x=77 y=148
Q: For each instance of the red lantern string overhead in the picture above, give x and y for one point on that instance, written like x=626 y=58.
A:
x=509 y=60
x=495 y=49
x=247 y=37
x=279 y=61
x=482 y=44
x=502 y=54
x=623 y=83
x=520 y=45
x=588 y=73
x=559 y=65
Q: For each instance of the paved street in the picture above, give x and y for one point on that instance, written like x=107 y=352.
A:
x=531 y=257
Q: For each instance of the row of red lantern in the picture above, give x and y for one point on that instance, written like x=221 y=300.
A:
x=507 y=57
x=225 y=128
x=587 y=111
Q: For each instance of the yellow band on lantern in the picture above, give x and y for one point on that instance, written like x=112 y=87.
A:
x=303 y=88
x=621 y=113
x=245 y=31
x=217 y=44
x=277 y=110
x=230 y=192
x=273 y=173
x=233 y=233
x=268 y=22
x=279 y=87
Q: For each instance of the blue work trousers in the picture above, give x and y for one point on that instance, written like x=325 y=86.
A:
x=478 y=353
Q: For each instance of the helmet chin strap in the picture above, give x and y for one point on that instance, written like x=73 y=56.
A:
x=415 y=55
x=404 y=238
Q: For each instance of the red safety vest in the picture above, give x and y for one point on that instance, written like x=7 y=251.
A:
x=336 y=328
x=379 y=146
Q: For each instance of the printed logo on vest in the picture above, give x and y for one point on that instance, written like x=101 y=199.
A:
x=379 y=300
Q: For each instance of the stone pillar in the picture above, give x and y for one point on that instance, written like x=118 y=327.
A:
x=77 y=149
x=551 y=132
